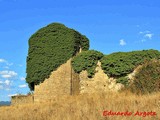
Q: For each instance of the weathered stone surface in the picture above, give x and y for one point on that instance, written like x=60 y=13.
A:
x=64 y=81
x=99 y=83
x=61 y=82
x=132 y=75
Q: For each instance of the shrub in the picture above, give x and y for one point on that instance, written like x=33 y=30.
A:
x=123 y=80
x=87 y=60
x=49 y=48
x=122 y=63
x=147 y=80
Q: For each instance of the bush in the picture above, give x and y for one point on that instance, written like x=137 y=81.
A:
x=49 y=48
x=122 y=63
x=147 y=80
x=123 y=80
x=87 y=60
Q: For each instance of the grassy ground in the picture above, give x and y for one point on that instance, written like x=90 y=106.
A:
x=87 y=107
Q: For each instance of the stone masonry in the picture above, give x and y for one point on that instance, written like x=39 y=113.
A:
x=61 y=82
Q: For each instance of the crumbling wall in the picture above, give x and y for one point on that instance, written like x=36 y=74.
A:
x=64 y=81
x=99 y=83
x=61 y=82
x=22 y=99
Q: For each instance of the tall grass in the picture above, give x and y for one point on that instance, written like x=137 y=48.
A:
x=86 y=107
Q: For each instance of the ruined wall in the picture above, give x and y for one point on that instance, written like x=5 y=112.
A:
x=22 y=99
x=64 y=81
x=99 y=83
x=61 y=82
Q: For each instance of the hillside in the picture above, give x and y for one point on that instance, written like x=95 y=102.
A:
x=4 y=103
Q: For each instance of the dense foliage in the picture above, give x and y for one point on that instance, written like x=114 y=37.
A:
x=122 y=63
x=123 y=80
x=54 y=44
x=87 y=60
x=50 y=47
x=148 y=78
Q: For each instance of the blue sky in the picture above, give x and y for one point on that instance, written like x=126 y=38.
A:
x=111 y=26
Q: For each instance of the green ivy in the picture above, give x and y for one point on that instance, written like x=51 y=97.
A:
x=49 y=48
x=87 y=60
x=122 y=63
x=54 y=44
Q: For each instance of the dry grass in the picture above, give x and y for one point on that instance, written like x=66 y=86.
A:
x=86 y=107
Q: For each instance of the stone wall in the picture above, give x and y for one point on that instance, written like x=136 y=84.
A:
x=61 y=82
x=64 y=81
x=22 y=99
x=99 y=83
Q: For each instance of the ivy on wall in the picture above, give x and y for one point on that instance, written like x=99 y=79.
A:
x=122 y=63
x=87 y=60
x=49 y=48
x=54 y=44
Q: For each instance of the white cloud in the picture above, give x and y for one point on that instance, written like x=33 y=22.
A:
x=148 y=35
x=6 y=63
x=22 y=86
x=9 y=64
x=2 y=61
x=22 y=78
x=10 y=95
x=122 y=42
x=8 y=74
x=7 y=82
x=144 y=32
